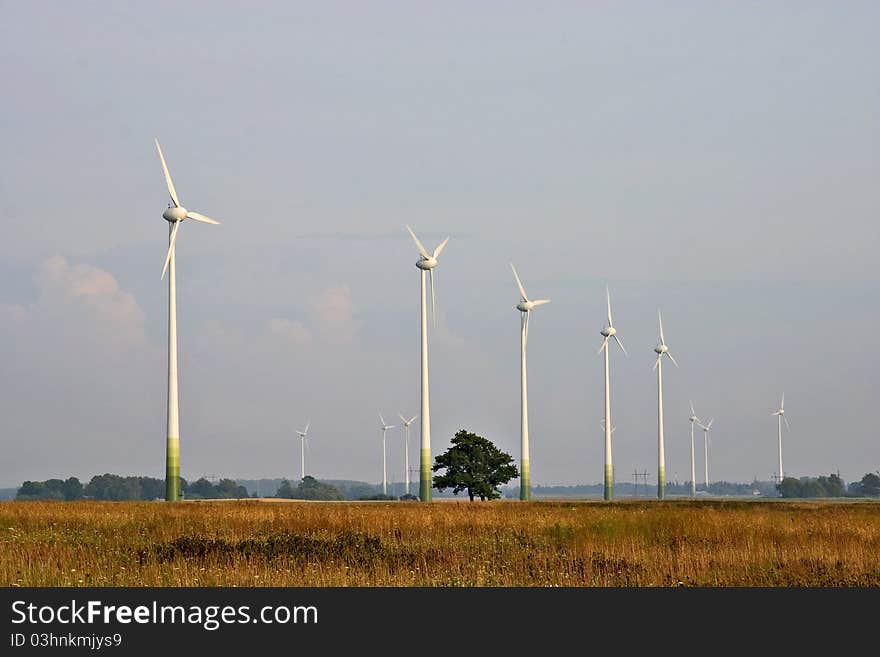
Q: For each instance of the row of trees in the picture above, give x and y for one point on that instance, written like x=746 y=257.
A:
x=116 y=488
x=830 y=486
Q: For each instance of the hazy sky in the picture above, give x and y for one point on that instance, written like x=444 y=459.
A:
x=718 y=161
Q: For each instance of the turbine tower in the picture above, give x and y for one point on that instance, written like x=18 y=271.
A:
x=525 y=307
x=385 y=428
x=426 y=263
x=607 y=333
x=302 y=440
x=693 y=420
x=780 y=416
x=705 y=428
x=406 y=424
x=175 y=214
x=661 y=350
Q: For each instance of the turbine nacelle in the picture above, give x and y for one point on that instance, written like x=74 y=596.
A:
x=608 y=332
x=173 y=214
x=661 y=349
x=427 y=263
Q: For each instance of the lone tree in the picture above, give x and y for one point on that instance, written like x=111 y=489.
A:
x=474 y=464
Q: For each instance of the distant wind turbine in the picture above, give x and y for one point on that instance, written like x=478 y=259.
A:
x=661 y=350
x=608 y=333
x=705 y=428
x=406 y=424
x=780 y=416
x=302 y=440
x=385 y=427
x=693 y=420
x=525 y=306
x=426 y=263
x=175 y=214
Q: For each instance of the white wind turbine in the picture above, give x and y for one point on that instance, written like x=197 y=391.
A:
x=175 y=214
x=661 y=350
x=694 y=420
x=525 y=306
x=406 y=424
x=705 y=428
x=426 y=263
x=608 y=333
x=385 y=427
x=780 y=416
x=302 y=440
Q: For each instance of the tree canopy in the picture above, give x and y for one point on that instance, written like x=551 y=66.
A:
x=309 y=489
x=474 y=464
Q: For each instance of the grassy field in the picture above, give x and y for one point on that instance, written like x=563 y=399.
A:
x=502 y=543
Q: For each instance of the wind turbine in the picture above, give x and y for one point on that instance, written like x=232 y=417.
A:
x=780 y=416
x=426 y=263
x=406 y=424
x=385 y=428
x=302 y=439
x=525 y=307
x=705 y=428
x=608 y=332
x=693 y=420
x=661 y=350
x=175 y=214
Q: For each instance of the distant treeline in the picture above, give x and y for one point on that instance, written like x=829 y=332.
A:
x=631 y=489
x=116 y=488
x=830 y=486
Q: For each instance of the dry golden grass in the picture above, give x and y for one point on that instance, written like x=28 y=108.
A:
x=501 y=543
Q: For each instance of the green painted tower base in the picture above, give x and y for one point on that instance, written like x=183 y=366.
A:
x=661 y=484
x=525 y=482
x=425 y=483
x=609 y=483
x=172 y=470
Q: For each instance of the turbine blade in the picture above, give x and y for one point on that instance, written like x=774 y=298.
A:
x=621 y=345
x=527 y=315
x=522 y=290
x=170 y=246
x=382 y=419
x=413 y=418
x=200 y=217
x=787 y=425
x=656 y=363
x=308 y=424
x=782 y=403
x=421 y=248
x=403 y=419
x=604 y=346
x=540 y=302
x=608 y=299
x=433 y=299
x=440 y=248
x=672 y=359
x=660 y=317
x=709 y=426
x=693 y=412
x=168 y=182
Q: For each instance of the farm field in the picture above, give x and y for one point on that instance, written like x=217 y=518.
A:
x=450 y=543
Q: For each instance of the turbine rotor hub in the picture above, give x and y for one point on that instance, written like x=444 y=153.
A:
x=608 y=332
x=661 y=348
x=525 y=306
x=174 y=214
x=427 y=263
